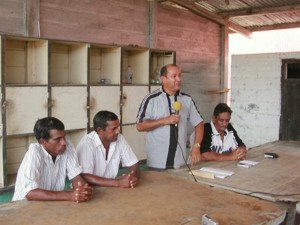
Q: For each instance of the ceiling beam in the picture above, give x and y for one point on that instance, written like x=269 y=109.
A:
x=190 y=5
x=261 y=11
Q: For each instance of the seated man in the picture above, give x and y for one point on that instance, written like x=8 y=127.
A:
x=46 y=165
x=220 y=141
x=101 y=151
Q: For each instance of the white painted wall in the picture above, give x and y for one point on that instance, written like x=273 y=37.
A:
x=256 y=96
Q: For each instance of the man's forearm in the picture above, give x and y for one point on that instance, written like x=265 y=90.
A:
x=45 y=195
x=135 y=169
x=199 y=131
x=149 y=125
x=100 y=181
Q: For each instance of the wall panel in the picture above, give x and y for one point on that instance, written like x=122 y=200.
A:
x=256 y=96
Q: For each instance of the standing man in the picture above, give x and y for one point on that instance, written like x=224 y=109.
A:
x=101 y=152
x=221 y=141
x=46 y=165
x=166 y=127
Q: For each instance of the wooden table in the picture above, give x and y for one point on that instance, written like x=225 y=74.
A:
x=159 y=199
x=271 y=179
x=276 y=180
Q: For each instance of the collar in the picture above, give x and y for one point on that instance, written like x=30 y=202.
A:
x=97 y=140
x=176 y=94
x=47 y=153
x=214 y=130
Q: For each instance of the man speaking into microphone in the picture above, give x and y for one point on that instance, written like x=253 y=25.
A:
x=164 y=114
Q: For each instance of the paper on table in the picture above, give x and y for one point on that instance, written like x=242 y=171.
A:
x=247 y=163
x=202 y=174
x=220 y=173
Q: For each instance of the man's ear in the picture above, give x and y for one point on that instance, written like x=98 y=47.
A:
x=42 y=141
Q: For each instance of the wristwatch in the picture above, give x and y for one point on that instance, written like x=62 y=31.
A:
x=196 y=145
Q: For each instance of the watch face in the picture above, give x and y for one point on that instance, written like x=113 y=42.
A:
x=197 y=145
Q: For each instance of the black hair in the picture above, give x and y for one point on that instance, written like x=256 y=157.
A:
x=101 y=118
x=164 y=69
x=221 y=108
x=43 y=126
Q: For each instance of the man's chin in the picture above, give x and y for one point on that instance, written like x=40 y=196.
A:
x=62 y=151
x=114 y=139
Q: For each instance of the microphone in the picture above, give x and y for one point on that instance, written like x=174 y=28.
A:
x=177 y=106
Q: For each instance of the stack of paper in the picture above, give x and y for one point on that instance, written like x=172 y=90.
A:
x=247 y=163
x=217 y=172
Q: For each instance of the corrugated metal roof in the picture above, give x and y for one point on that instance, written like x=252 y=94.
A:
x=229 y=5
x=248 y=14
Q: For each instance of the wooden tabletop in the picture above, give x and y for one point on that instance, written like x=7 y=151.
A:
x=271 y=179
x=159 y=199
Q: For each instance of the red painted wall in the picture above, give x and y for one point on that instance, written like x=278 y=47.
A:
x=196 y=40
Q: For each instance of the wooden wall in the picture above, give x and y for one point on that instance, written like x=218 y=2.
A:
x=126 y=22
x=197 y=44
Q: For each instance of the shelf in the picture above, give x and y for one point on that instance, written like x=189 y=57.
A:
x=1 y=124
x=26 y=61
x=104 y=85
x=109 y=100
x=104 y=65
x=138 y=60
x=75 y=135
x=69 y=104
x=22 y=112
x=158 y=59
x=71 y=81
x=1 y=69
x=16 y=148
x=2 y=163
x=132 y=98
x=68 y=63
x=154 y=87
x=136 y=140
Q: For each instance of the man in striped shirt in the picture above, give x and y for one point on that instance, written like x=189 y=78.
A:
x=101 y=151
x=46 y=165
x=167 y=128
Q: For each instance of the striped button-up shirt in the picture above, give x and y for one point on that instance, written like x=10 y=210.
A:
x=38 y=170
x=92 y=155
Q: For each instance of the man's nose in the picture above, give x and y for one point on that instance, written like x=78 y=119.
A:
x=63 y=141
x=118 y=130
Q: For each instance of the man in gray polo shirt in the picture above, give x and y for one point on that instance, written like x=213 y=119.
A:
x=166 y=128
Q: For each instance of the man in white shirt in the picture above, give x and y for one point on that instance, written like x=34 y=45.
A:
x=46 y=165
x=101 y=151
x=220 y=140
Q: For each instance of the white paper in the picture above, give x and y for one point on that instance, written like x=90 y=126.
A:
x=219 y=173
x=247 y=163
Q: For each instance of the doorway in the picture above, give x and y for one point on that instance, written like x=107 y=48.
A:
x=290 y=100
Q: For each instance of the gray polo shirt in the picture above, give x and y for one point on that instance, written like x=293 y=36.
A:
x=159 y=141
